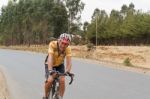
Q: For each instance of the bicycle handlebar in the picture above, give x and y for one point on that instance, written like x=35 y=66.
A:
x=71 y=75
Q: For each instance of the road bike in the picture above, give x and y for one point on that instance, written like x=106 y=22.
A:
x=54 y=90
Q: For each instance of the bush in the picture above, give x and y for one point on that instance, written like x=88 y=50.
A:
x=76 y=40
x=90 y=46
x=127 y=62
x=52 y=39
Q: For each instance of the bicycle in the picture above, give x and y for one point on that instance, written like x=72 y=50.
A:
x=54 y=90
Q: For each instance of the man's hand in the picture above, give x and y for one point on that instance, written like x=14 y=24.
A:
x=51 y=72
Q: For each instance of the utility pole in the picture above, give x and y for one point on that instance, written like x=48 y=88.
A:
x=96 y=31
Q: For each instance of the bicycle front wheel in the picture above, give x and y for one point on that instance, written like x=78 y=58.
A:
x=50 y=95
x=56 y=96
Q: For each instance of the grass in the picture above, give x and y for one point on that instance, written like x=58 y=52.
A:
x=127 y=62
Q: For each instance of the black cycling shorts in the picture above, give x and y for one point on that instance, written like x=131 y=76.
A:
x=60 y=68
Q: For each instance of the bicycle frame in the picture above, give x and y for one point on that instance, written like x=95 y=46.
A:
x=54 y=90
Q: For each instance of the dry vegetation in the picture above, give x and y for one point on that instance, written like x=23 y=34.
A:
x=138 y=55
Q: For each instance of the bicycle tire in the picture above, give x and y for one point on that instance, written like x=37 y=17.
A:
x=50 y=94
x=52 y=91
x=55 y=91
x=56 y=97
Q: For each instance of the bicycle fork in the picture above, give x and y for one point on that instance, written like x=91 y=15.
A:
x=56 y=91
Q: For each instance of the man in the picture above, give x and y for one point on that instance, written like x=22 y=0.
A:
x=57 y=52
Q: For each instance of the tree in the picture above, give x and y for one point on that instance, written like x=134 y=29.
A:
x=99 y=18
x=124 y=27
x=74 y=8
x=59 y=18
x=32 y=21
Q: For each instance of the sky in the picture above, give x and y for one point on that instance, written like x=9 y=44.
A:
x=106 y=5
x=3 y=2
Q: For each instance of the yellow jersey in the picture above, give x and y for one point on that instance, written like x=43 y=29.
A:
x=58 y=58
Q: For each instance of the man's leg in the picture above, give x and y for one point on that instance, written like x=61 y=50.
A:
x=61 y=69
x=48 y=82
x=48 y=85
x=62 y=86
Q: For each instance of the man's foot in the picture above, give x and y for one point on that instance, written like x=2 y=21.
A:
x=45 y=98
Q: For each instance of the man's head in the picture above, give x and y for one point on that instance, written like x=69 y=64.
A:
x=64 y=41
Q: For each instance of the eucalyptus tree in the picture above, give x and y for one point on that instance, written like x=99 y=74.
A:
x=85 y=26
x=59 y=17
x=98 y=25
x=113 y=25
x=74 y=9
x=6 y=22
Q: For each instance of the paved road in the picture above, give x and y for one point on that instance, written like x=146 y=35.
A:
x=25 y=76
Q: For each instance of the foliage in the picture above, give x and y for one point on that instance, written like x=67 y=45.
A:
x=76 y=40
x=74 y=8
x=90 y=46
x=125 y=27
x=127 y=62
x=34 y=21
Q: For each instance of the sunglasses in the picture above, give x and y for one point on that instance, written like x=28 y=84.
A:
x=64 y=43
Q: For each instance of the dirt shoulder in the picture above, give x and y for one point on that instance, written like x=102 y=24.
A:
x=138 y=55
x=4 y=94
x=116 y=56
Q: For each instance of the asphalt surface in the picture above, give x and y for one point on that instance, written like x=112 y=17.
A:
x=24 y=72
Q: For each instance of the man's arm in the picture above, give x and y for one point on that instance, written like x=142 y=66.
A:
x=50 y=61
x=68 y=63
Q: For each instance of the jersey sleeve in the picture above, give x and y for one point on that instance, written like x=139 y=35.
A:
x=68 y=51
x=51 y=48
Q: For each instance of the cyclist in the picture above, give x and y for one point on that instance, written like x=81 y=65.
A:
x=57 y=52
